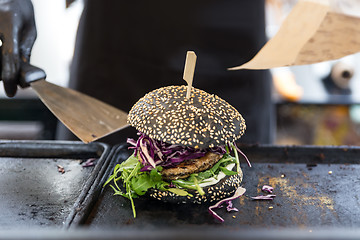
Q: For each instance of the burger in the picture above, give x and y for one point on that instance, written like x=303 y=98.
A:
x=185 y=151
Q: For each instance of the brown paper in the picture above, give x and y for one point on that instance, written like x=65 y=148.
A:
x=311 y=33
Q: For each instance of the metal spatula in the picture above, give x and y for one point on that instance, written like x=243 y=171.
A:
x=88 y=118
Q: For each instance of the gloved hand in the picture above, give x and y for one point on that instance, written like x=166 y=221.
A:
x=18 y=34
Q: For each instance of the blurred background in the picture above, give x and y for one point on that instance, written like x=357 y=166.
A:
x=25 y=117
x=316 y=104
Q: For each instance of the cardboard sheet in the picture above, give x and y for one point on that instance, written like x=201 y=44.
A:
x=311 y=33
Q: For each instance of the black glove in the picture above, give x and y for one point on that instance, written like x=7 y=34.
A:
x=18 y=34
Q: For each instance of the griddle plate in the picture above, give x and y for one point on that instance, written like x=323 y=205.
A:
x=33 y=191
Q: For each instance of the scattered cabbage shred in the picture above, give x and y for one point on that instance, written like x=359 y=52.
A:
x=264 y=197
x=267 y=188
x=239 y=192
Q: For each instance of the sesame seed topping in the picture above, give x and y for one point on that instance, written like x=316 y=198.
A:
x=204 y=120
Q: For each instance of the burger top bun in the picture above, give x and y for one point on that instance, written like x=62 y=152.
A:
x=202 y=121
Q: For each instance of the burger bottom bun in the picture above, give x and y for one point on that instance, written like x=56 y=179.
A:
x=225 y=188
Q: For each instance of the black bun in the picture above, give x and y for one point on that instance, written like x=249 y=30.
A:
x=225 y=188
x=204 y=120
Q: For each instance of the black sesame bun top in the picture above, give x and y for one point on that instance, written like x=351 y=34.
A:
x=204 y=120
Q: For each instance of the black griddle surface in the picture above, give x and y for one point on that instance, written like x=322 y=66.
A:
x=34 y=194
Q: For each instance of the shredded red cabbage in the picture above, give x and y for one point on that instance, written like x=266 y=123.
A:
x=265 y=197
x=239 y=192
x=89 y=163
x=242 y=154
x=267 y=189
x=230 y=207
x=157 y=153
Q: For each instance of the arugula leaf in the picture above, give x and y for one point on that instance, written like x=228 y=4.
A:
x=130 y=163
x=133 y=172
x=141 y=183
x=227 y=149
x=237 y=158
x=155 y=174
x=227 y=172
x=206 y=174
x=189 y=183
x=184 y=183
x=193 y=177
x=179 y=192
x=112 y=176
x=117 y=192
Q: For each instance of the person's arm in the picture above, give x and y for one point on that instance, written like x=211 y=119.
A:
x=18 y=34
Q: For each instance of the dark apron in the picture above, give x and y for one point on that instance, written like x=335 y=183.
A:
x=125 y=49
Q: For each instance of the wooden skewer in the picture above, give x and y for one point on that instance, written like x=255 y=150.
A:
x=189 y=70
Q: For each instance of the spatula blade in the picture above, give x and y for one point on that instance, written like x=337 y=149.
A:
x=88 y=118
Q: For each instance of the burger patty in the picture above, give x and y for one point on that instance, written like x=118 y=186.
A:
x=188 y=167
